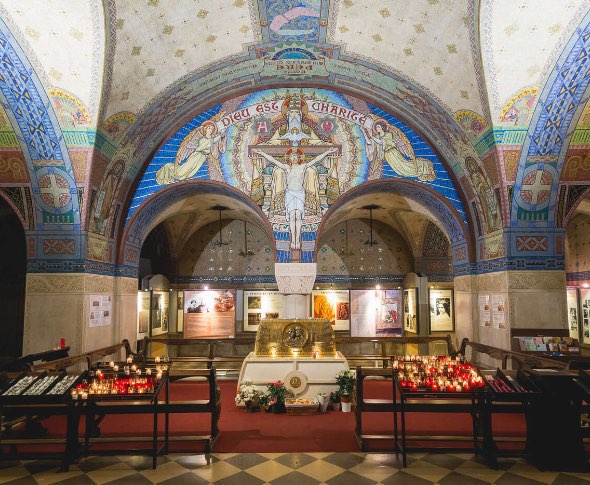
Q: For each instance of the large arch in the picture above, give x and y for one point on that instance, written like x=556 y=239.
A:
x=153 y=211
x=57 y=206
x=331 y=121
x=390 y=91
x=534 y=199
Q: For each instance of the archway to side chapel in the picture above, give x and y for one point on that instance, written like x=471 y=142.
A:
x=179 y=224
x=577 y=267
x=13 y=269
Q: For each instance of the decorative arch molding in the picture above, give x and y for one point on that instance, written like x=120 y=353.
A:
x=337 y=141
x=149 y=215
x=462 y=245
x=57 y=206
x=560 y=105
x=346 y=73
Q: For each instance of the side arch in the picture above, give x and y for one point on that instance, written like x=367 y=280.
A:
x=461 y=239
x=153 y=211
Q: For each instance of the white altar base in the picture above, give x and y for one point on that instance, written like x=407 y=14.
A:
x=314 y=375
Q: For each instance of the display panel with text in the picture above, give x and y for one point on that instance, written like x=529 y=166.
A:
x=209 y=313
x=375 y=313
x=261 y=304
x=333 y=305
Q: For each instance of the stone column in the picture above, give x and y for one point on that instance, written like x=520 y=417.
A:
x=295 y=281
x=533 y=299
x=57 y=305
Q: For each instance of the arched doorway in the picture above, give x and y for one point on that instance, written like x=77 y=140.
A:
x=13 y=270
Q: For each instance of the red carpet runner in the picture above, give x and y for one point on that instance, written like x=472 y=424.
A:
x=242 y=432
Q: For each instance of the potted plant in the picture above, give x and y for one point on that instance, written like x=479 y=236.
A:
x=335 y=400
x=345 y=380
x=323 y=399
x=276 y=393
x=249 y=395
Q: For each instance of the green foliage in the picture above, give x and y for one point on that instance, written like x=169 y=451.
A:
x=345 y=380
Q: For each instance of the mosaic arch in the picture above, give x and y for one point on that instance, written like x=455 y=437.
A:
x=37 y=128
x=294 y=152
x=560 y=105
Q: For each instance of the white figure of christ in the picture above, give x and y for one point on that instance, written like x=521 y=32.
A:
x=295 y=170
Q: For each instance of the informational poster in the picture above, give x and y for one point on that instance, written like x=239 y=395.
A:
x=498 y=312
x=585 y=304
x=333 y=305
x=441 y=310
x=572 y=312
x=209 y=313
x=375 y=313
x=159 y=313
x=485 y=312
x=101 y=310
x=143 y=312
x=410 y=310
x=261 y=304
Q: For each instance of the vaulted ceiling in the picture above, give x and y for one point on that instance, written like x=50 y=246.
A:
x=121 y=55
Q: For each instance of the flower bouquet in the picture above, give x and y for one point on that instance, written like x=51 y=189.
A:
x=250 y=396
x=276 y=392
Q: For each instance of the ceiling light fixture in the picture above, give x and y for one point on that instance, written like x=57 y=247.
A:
x=371 y=242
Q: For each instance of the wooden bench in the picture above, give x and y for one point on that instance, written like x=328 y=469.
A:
x=190 y=355
x=88 y=358
x=506 y=359
x=377 y=350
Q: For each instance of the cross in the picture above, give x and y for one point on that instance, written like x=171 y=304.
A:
x=537 y=187
x=55 y=190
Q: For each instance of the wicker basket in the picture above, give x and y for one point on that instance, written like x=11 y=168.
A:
x=295 y=407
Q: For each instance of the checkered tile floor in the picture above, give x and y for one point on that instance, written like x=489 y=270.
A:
x=285 y=469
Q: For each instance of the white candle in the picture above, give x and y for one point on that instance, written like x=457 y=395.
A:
x=157 y=360
x=129 y=360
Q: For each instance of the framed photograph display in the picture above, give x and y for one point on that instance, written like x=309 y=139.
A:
x=143 y=312
x=333 y=305
x=160 y=302
x=411 y=310
x=442 y=313
x=209 y=313
x=584 y=316
x=573 y=317
x=261 y=304
x=375 y=313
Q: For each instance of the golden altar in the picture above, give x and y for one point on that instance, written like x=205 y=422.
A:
x=299 y=352
x=281 y=337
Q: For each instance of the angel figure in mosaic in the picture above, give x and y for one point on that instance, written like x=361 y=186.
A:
x=201 y=144
x=386 y=142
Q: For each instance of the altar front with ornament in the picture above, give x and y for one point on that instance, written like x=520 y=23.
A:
x=299 y=352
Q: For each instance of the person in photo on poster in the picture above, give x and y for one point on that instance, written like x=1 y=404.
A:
x=443 y=310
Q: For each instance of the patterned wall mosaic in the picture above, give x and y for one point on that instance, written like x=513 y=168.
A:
x=48 y=161
x=344 y=251
x=202 y=256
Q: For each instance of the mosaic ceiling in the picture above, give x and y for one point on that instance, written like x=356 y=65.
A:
x=113 y=80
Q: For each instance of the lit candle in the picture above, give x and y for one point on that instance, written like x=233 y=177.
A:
x=138 y=372
x=116 y=368
x=129 y=360
x=74 y=394
x=111 y=364
x=84 y=395
x=159 y=375
x=148 y=372
x=157 y=360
